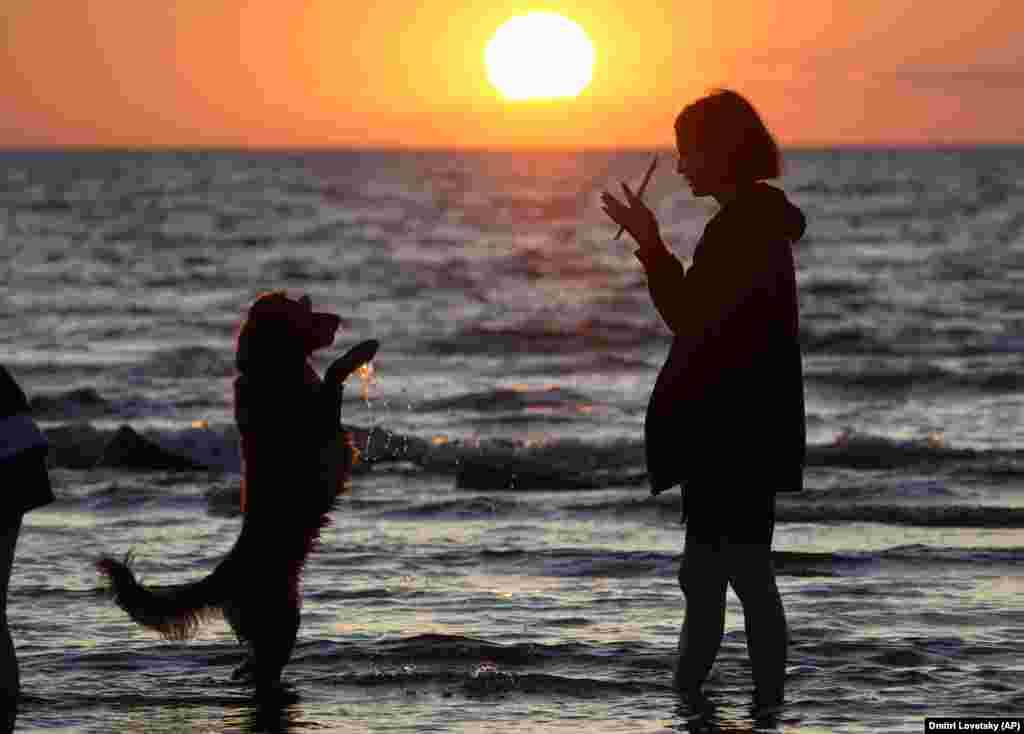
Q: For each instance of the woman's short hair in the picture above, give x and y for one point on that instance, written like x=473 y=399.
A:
x=726 y=127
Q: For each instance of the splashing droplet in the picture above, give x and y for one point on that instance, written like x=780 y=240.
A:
x=366 y=374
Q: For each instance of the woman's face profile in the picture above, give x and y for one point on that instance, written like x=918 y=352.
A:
x=696 y=167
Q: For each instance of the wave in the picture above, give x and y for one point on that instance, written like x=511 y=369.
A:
x=949 y=516
x=456 y=663
x=591 y=563
x=819 y=507
x=461 y=508
x=898 y=377
x=486 y=679
x=82 y=446
x=567 y=464
x=825 y=512
x=508 y=399
x=483 y=666
x=917 y=553
x=863 y=451
x=189 y=361
x=80 y=404
x=549 y=336
x=584 y=562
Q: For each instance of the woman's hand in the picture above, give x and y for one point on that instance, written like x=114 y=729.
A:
x=635 y=217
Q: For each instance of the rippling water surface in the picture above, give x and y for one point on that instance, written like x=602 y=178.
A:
x=499 y=564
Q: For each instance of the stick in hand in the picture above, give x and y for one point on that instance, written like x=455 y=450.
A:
x=643 y=185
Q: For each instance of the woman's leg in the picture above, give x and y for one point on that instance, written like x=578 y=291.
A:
x=9 y=684
x=703 y=581
x=753 y=578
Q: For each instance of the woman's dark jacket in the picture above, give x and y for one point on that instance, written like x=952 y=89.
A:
x=728 y=404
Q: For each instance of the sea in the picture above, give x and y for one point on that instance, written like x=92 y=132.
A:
x=499 y=564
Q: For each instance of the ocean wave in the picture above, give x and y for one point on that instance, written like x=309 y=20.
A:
x=818 y=509
x=487 y=679
x=504 y=465
x=831 y=288
x=481 y=665
x=843 y=338
x=549 y=336
x=584 y=563
x=864 y=451
x=507 y=399
x=898 y=377
x=571 y=562
x=602 y=363
x=917 y=553
x=447 y=648
x=189 y=361
x=590 y=563
x=82 y=446
x=86 y=404
x=79 y=404
x=461 y=508
x=857 y=190
x=945 y=516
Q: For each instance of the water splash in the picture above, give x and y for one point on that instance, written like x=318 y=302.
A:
x=487 y=678
x=366 y=375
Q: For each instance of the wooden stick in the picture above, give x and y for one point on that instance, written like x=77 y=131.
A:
x=643 y=185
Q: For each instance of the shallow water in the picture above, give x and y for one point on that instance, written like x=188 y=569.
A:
x=499 y=565
x=433 y=608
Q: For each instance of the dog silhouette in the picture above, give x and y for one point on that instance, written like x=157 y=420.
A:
x=296 y=460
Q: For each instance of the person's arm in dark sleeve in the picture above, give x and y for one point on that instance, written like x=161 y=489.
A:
x=668 y=285
x=729 y=266
x=716 y=285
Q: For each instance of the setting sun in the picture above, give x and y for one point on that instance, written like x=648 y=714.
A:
x=539 y=55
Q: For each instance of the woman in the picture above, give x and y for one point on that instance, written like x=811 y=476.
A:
x=26 y=486
x=726 y=416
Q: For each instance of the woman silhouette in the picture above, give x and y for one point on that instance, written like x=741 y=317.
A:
x=726 y=416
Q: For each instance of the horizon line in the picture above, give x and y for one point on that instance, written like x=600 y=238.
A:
x=327 y=148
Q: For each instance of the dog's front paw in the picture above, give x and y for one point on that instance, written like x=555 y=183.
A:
x=352 y=360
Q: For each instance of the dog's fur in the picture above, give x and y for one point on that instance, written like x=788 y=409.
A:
x=296 y=460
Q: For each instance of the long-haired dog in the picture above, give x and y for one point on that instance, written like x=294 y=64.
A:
x=296 y=460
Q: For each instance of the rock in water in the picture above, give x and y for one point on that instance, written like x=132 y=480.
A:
x=127 y=449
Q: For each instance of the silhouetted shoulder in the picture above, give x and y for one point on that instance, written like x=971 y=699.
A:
x=765 y=212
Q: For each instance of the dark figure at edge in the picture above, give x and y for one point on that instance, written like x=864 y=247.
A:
x=26 y=486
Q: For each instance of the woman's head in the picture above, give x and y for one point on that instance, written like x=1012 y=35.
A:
x=722 y=141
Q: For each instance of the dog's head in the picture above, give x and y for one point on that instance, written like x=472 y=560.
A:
x=281 y=331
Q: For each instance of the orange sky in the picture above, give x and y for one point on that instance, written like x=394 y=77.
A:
x=410 y=74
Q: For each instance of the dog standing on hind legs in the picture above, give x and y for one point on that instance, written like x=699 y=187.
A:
x=295 y=461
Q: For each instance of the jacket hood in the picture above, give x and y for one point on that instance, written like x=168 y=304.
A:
x=769 y=207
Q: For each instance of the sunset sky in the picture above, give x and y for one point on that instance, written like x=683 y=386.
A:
x=406 y=73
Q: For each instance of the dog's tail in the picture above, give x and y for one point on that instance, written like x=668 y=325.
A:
x=174 y=611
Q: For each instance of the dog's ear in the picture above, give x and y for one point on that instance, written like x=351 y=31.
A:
x=268 y=335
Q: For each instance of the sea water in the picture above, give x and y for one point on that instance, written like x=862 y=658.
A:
x=499 y=564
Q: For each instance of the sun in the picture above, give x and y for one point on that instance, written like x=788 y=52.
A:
x=539 y=55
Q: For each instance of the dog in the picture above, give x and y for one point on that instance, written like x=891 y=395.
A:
x=296 y=460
